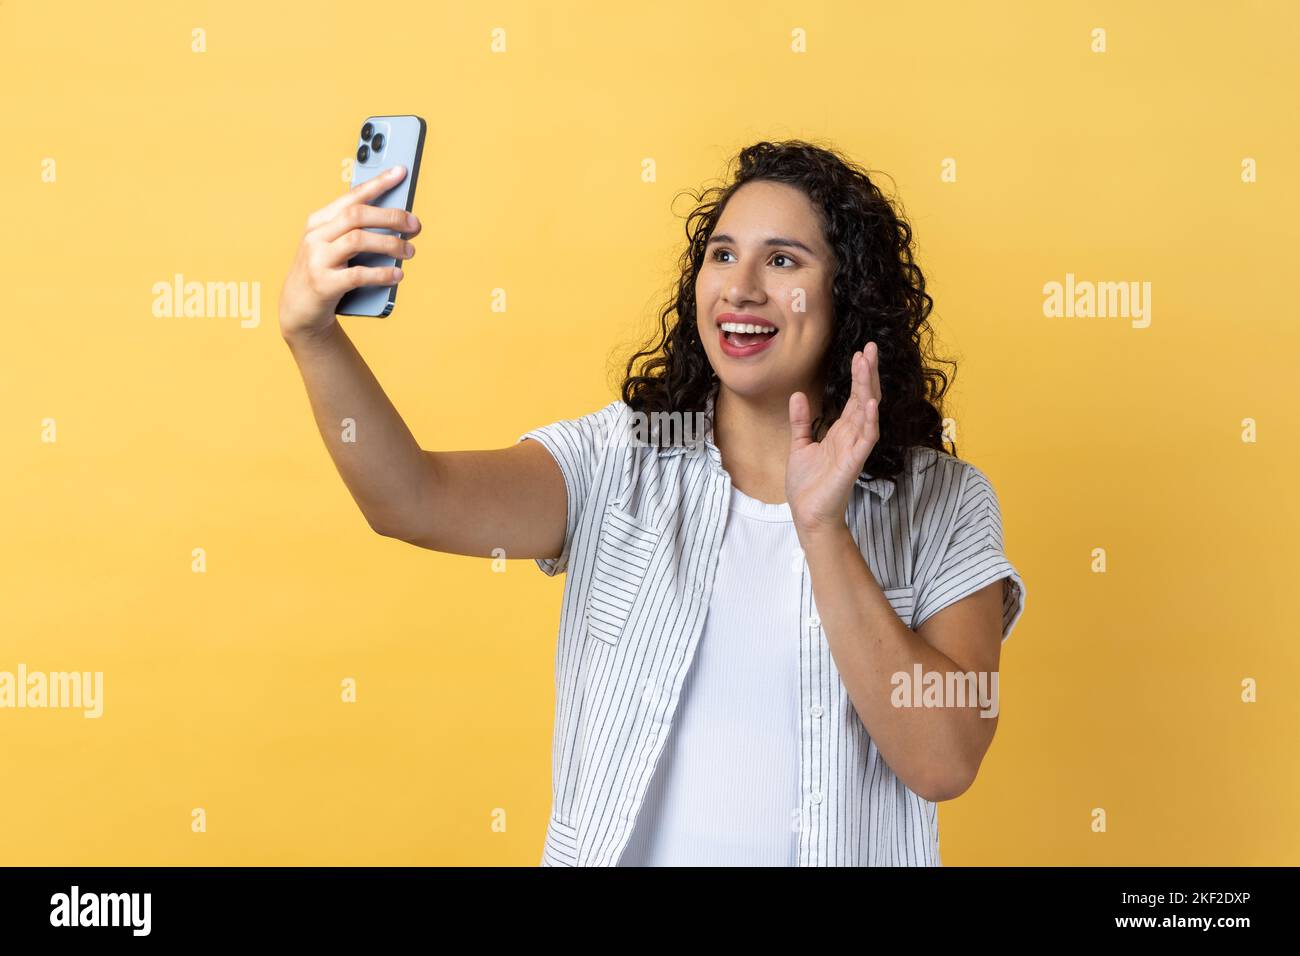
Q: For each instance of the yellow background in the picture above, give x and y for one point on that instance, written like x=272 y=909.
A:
x=1119 y=690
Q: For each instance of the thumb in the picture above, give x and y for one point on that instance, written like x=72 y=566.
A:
x=800 y=422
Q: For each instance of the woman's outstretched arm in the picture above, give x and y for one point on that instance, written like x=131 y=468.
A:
x=463 y=502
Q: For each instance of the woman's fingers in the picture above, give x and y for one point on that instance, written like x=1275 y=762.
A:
x=369 y=217
x=866 y=386
x=800 y=421
x=360 y=193
x=344 y=279
x=362 y=240
x=855 y=377
x=873 y=381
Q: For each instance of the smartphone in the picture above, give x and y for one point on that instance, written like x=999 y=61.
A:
x=384 y=142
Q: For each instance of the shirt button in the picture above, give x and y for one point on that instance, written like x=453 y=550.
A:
x=816 y=796
x=816 y=710
x=814 y=621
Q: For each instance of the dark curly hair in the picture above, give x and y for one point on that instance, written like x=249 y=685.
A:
x=878 y=295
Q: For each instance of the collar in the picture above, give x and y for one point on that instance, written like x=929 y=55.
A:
x=883 y=487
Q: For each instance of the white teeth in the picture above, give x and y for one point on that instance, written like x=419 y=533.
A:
x=741 y=327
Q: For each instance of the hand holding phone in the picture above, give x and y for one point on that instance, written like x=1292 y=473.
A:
x=385 y=142
x=370 y=220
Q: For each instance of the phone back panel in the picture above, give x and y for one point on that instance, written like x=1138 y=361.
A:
x=402 y=145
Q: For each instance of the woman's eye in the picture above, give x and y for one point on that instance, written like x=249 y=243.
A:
x=779 y=255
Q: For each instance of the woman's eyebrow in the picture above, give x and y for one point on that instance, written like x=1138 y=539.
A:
x=774 y=241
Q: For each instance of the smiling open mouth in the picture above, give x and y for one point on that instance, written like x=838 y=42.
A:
x=740 y=340
x=744 y=336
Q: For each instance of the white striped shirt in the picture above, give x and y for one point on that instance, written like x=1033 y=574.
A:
x=725 y=791
x=643 y=533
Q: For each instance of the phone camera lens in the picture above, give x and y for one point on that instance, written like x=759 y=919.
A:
x=378 y=143
x=367 y=130
x=363 y=153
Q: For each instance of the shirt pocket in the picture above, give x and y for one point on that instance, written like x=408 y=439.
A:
x=903 y=601
x=622 y=559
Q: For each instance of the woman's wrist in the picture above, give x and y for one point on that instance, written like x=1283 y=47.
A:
x=311 y=336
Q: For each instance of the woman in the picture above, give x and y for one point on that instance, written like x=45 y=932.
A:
x=750 y=618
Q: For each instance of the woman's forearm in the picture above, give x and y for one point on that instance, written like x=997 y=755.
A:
x=378 y=458
x=935 y=751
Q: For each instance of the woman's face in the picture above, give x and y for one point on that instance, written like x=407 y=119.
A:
x=767 y=263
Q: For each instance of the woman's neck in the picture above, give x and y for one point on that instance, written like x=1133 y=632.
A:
x=753 y=437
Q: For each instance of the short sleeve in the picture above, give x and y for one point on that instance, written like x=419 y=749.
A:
x=576 y=445
x=973 y=556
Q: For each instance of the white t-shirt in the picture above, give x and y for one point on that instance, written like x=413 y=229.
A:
x=725 y=791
